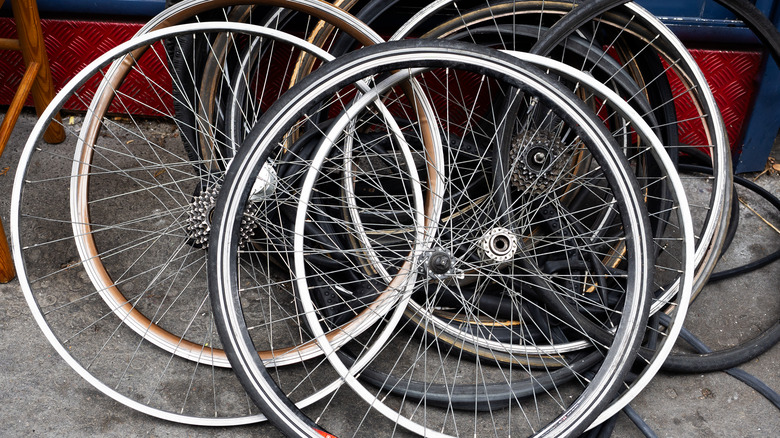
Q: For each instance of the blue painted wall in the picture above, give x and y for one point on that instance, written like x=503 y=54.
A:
x=148 y=8
x=706 y=22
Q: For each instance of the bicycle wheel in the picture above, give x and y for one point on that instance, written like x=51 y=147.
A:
x=608 y=30
x=320 y=282
x=208 y=139
x=636 y=43
x=517 y=25
x=672 y=290
x=119 y=214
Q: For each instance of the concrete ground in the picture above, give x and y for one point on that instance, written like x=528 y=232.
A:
x=41 y=396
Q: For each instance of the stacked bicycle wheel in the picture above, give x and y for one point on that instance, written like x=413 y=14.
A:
x=478 y=228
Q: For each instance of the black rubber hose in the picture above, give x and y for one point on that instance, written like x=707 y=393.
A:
x=606 y=428
x=732 y=357
x=747 y=378
x=760 y=387
x=723 y=359
x=639 y=422
x=752 y=266
x=688 y=363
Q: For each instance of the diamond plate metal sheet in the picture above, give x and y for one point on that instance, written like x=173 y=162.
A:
x=71 y=46
x=733 y=76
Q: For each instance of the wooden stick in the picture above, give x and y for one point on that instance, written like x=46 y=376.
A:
x=9 y=44
x=30 y=34
x=12 y=115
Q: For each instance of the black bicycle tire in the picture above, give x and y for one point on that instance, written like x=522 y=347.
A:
x=221 y=208
x=747 y=12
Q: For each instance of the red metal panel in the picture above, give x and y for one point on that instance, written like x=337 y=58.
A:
x=71 y=45
x=732 y=77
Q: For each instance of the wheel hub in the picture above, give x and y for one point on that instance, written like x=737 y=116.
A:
x=499 y=245
x=442 y=265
